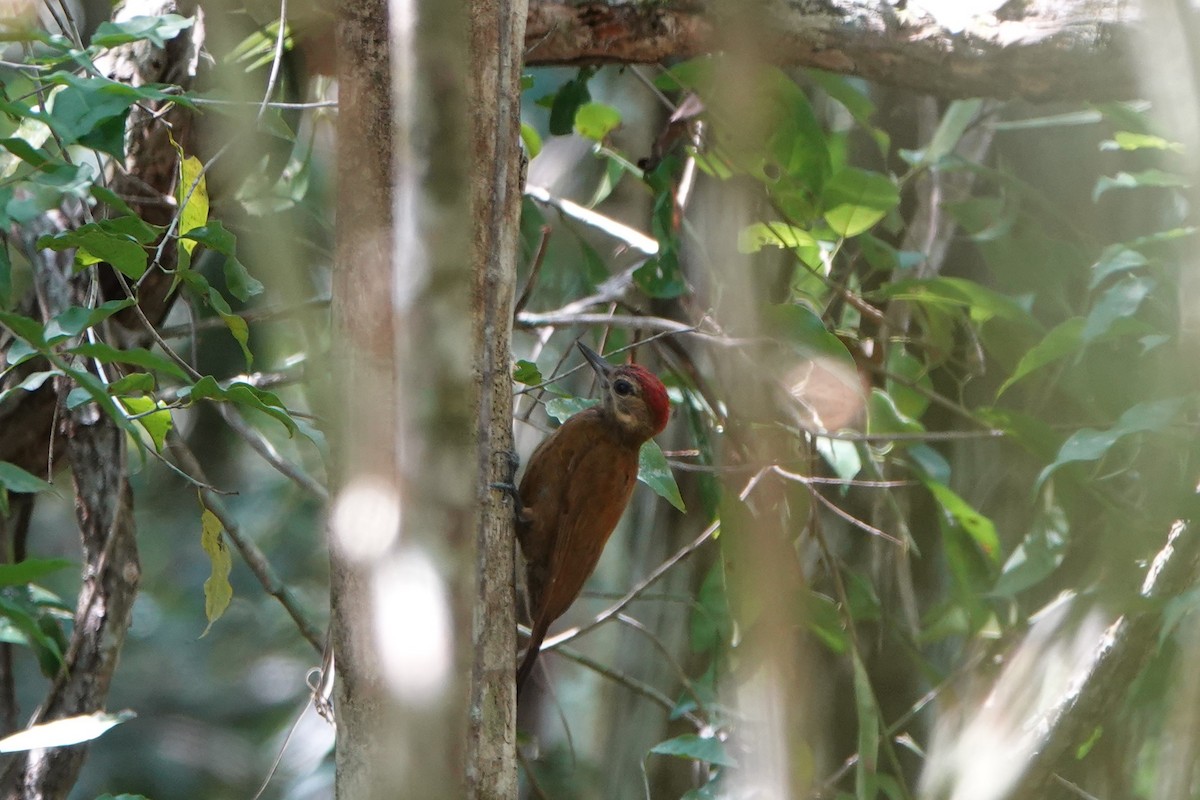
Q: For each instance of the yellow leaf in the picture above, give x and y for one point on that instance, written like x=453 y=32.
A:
x=193 y=202
x=217 y=591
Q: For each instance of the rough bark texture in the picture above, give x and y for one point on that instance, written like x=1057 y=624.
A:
x=363 y=379
x=94 y=448
x=1038 y=50
x=497 y=31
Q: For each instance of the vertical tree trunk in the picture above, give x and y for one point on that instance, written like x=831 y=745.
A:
x=497 y=36
x=402 y=549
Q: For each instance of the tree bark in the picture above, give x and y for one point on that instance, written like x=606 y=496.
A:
x=402 y=550
x=497 y=32
x=1042 y=50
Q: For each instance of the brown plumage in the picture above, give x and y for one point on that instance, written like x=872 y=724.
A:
x=576 y=487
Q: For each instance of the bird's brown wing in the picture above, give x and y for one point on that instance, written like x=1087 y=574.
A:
x=595 y=493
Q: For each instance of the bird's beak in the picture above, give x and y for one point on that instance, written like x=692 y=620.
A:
x=603 y=369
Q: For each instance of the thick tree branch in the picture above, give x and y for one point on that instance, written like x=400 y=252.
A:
x=1041 y=50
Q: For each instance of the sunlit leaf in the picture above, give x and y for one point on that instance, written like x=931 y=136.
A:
x=191 y=195
x=758 y=235
x=527 y=372
x=802 y=329
x=1128 y=140
x=596 y=120
x=152 y=415
x=531 y=140
x=981 y=529
x=855 y=199
x=156 y=30
x=63 y=732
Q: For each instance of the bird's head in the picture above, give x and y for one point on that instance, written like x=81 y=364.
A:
x=633 y=396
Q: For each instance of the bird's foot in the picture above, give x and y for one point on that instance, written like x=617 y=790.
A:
x=509 y=469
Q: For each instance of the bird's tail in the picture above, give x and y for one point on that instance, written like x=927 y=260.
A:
x=531 y=654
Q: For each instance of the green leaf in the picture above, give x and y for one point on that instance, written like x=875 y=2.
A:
x=884 y=417
x=1152 y=178
x=156 y=30
x=1090 y=444
x=596 y=120
x=563 y=408
x=236 y=325
x=24 y=616
x=63 y=732
x=800 y=327
x=244 y=394
x=824 y=620
x=92 y=111
x=570 y=96
x=32 y=382
x=214 y=236
x=660 y=276
x=75 y=320
x=217 y=590
x=1116 y=258
x=15 y=479
x=711 y=623
x=1127 y=140
x=531 y=140
x=1038 y=555
x=138 y=356
x=31 y=570
x=906 y=371
x=133 y=383
x=102 y=241
x=958 y=117
x=24 y=327
x=1064 y=340
x=1119 y=301
x=240 y=282
x=855 y=199
x=527 y=373
x=851 y=94
x=758 y=235
x=697 y=748
x=981 y=529
x=868 y=730
x=981 y=302
x=655 y=472
x=5 y=277
x=153 y=416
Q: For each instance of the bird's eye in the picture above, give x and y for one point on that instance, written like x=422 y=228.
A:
x=623 y=387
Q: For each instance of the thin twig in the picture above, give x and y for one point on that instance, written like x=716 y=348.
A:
x=261 y=445
x=254 y=558
x=612 y=611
